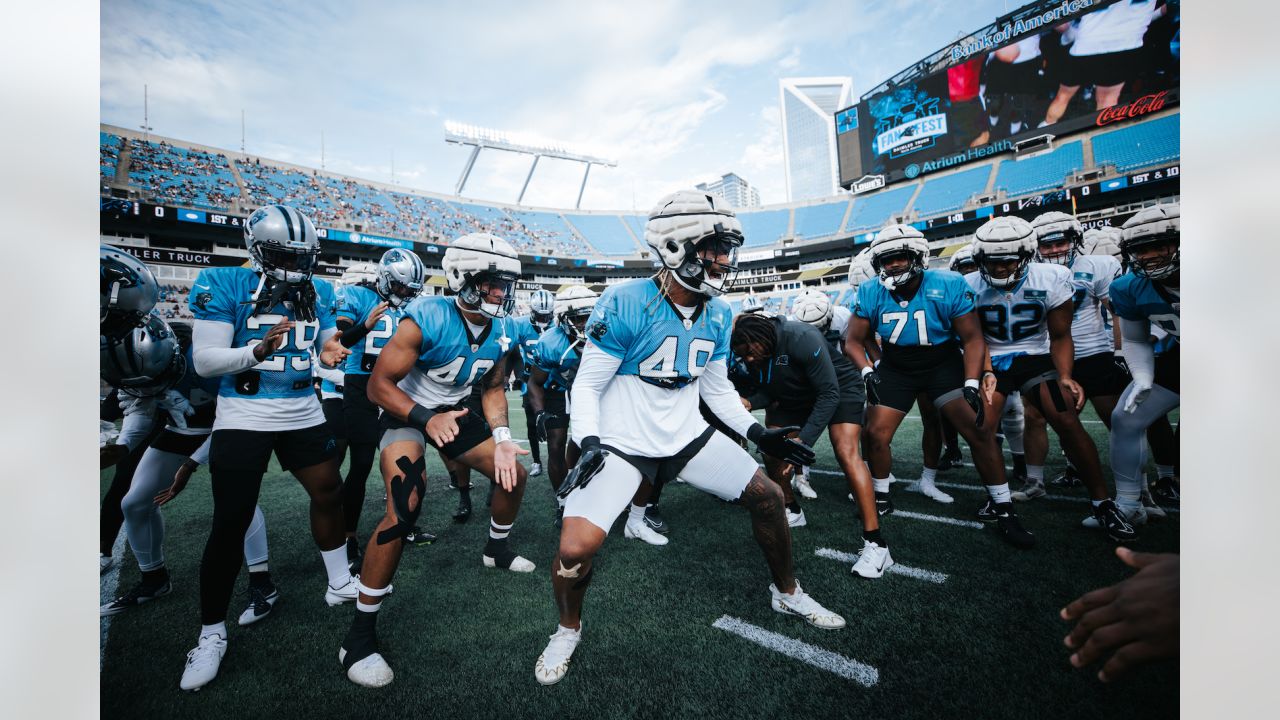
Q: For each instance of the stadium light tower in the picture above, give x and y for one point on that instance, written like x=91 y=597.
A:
x=523 y=143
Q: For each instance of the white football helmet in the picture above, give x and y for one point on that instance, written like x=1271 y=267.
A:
x=962 y=260
x=1153 y=226
x=897 y=241
x=860 y=269
x=359 y=274
x=542 y=308
x=691 y=231
x=127 y=291
x=813 y=307
x=1052 y=227
x=1003 y=239
x=282 y=243
x=752 y=304
x=573 y=307
x=400 y=276
x=483 y=259
x=1103 y=241
x=145 y=361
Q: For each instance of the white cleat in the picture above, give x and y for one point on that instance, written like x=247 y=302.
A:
x=518 y=564
x=260 y=606
x=799 y=603
x=932 y=492
x=641 y=531
x=1153 y=510
x=796 y=519
x=344 y=593
x=203 y=662
x=1031 y=490
x=872 y=561
x=553 y=663
x=371 y=672
x=800 y=483
x=104 y=563
x=535 y=469
x=1135 y=514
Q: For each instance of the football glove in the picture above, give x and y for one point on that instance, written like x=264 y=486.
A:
x=775 y=443
x=974 y=398
x=872 y=379
x=589 y=463
x=178 y=408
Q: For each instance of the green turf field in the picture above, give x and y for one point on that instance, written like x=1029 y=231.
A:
x=984 y=643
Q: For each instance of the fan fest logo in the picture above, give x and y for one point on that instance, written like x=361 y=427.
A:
x=907 y=120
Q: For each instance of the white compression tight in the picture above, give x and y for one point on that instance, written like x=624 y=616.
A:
x=1128 y=439
x=144 y=523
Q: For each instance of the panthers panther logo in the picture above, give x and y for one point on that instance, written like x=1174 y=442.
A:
x=597 y=330
x=202 y=300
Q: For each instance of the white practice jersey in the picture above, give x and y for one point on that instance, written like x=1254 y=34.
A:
x=840 y=319
x=1091 y=275
x=1015 y=321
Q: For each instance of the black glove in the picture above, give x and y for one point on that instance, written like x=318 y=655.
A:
x=775 y=443
x=872 y=380
x=589 y=463
x=974 y=397
x=540 y=424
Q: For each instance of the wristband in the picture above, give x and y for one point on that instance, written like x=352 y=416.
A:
x=971 y=383
x=502 y=434
x=867 y=371
x=420 y=416
x=988 y=372
x=353 y=335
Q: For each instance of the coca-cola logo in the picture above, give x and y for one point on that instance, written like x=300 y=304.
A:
x=1142 y=106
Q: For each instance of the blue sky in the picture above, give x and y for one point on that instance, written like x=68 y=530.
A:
x=677 y=92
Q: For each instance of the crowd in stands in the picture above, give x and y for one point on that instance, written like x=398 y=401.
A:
x=182 y=176
x=270 y=184
x=108 y=156
x=173 y=303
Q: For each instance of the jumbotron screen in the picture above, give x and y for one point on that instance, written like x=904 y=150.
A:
x=1076 y=66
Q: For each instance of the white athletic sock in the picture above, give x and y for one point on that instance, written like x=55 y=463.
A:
x=637 y=513
x=1036 y=473
x=999 y=493
x=368 y=607
x=335 y=564
x=927 y=476
x=499 y=532
x=219 y=629
x=1165 y=471
x=258 y=567
x=882 y=484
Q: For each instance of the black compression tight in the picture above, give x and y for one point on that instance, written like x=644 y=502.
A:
x=354 y=486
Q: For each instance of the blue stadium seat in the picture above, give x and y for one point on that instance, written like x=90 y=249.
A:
x=108 y=155
x=1154 y=142
x=607 y=233
x=872 y=212
x=1020 y=177
x=764 y=227
x=820 y=220
x=944 y=194
x=548 y=231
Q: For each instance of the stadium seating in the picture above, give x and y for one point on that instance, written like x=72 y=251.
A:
x=1142 y=145
x=108 y=155
x=548 y=233
x=265 y=184
x=764 y=227
x=820 y=220
x=945 y=194
x=182 y=176
x=1020 y=177
x=637 y=222
x=871 y=212
x=606 y=233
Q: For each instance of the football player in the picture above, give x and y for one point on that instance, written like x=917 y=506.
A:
x=152 y=364
x=1060 y=241
x=1148 y=295
x=424 y=375
x=254 y=329
x=367 y=318
x=1026 y=310
x=555 y=363
x=655 y=346
x=923 y=318
x=542 y=310
x=816 y=308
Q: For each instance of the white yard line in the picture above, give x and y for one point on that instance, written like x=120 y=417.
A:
x=804 y=652
x=108 y=588
x=897 y=569
x=938 y=519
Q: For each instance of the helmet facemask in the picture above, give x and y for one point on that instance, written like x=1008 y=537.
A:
x=490 y=292
x=395 y=293
x=1160 y=265
x=1074 y=245
x=1019 y=271
x=711 y=264
x=574 y=324
x=893 y=280
x=293 y=266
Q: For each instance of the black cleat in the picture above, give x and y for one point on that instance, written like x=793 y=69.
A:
x=654 y=520
x=463 y=513
x=418 y=536
x=1114 y=523
x=140 y=593
x=1165 y=490
x=1068 y=479
x=951 y=458
x=354 y=560
x=1006 y=521
x=884 y=504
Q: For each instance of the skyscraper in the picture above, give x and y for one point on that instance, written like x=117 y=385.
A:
x=809 y=133
x=733 y=190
